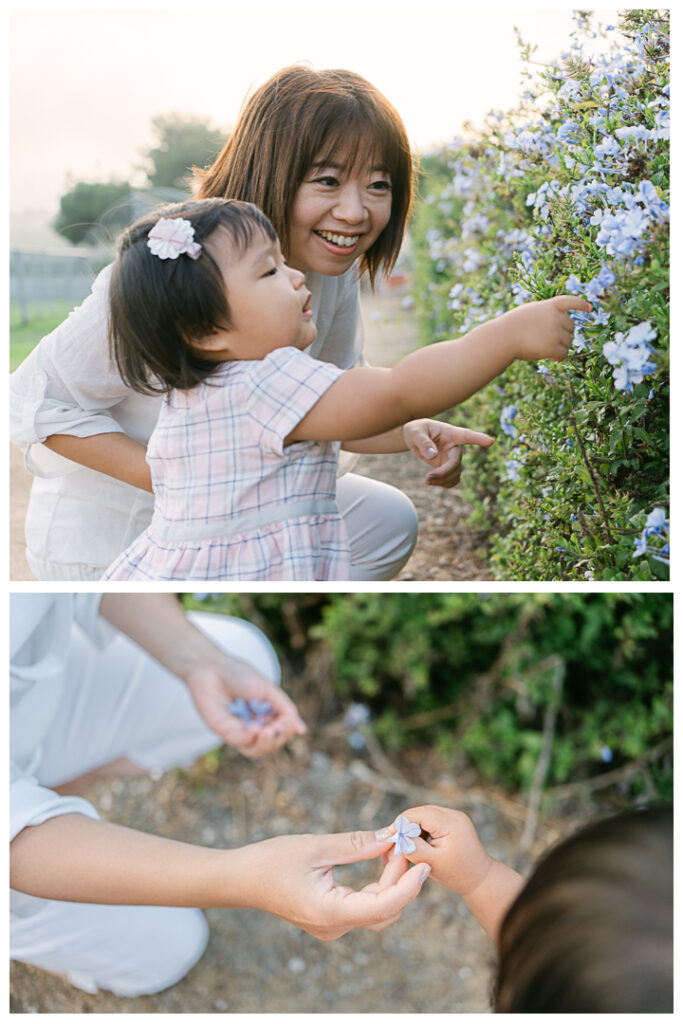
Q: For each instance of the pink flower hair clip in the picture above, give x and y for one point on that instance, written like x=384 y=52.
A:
x=172 y=237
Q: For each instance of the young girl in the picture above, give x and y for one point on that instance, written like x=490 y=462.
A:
x=243 y=457
x=590 y=932
x=84 y=431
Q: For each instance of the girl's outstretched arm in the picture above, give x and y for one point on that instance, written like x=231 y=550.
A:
x=370 y=400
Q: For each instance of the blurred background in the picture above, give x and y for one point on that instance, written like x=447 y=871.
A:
x=533 y=713
x=110 y=108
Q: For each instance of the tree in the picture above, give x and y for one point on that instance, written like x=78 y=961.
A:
x=83 y=205
x=183 y=142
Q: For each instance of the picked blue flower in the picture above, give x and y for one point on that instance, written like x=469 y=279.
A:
x=253 y=712
x=405 y=832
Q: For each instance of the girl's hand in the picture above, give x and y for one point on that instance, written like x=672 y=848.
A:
x=456 y=856
x=542 y=330
x=440 y=446
x=214 y=687
x=293 y=878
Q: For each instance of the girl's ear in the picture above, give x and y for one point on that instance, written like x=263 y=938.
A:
x=217 y=344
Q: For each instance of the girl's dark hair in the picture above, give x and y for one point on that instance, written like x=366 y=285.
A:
x=299 y=116
x=159 y=308
x=592 y=930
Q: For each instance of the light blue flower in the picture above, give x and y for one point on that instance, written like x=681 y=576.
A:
x=512 y=469
x=640 y=548
x=252 y=712
x=569 y=132
x=606 y=754
x=656 y=522
x=406 y=831
x=506 y=417
x=356 y=714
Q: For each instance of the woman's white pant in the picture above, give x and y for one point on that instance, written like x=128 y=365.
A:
x=118 y=703
x=381 y=524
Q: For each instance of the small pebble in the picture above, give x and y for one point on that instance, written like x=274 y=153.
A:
x=296 y=965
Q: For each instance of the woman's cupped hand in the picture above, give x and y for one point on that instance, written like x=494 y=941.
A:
x=292 y=877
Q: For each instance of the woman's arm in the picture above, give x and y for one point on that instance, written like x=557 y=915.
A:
x=115 y=454
x=72 y=857
x=158 y=624
x=369 y=400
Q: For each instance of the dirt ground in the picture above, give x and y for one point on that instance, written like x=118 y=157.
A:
x=446 y=549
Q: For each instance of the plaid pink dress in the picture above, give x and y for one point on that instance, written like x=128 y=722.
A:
x=230 y=502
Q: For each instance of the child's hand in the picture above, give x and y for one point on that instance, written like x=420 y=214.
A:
x=454 y=852
x=542 y=330
x=440 y=446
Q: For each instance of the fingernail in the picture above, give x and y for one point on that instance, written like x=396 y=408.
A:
x=424 y=874
x=431 y=452
x=431 y=479
x=384 y=833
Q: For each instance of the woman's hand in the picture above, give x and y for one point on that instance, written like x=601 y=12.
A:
x=293 y=878
x=214 y=686
x=158 y=623
x=440 y=446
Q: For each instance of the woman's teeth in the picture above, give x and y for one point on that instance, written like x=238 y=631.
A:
x=345 y=241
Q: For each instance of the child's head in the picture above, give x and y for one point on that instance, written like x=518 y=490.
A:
x=220 y=291
x=303 y=119
x=592 y=931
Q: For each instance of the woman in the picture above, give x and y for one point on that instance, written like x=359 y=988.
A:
x=88 y=897
x=326 y=157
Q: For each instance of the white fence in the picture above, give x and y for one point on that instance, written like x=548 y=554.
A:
x=41 y=280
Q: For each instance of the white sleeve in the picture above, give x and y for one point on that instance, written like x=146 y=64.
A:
x=67 y=384
x=87 y=616
x=32 y=804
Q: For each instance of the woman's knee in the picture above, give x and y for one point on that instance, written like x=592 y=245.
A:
x=382 y=526
x=169 y=943
x=240 y=639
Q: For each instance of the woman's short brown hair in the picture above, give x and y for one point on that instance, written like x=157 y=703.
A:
x=592 y=930
x=295 y=117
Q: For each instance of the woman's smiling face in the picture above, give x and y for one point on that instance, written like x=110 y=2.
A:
x=338 y=213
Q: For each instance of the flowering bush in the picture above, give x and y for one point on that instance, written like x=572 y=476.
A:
x=472 y=676
x=568 y=193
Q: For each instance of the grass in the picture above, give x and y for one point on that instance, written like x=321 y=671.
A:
x=24 y=337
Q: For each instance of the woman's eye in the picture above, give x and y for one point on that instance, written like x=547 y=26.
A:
x=381 y=186
x=328 y=180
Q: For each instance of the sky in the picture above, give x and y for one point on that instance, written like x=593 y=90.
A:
x=84 y=83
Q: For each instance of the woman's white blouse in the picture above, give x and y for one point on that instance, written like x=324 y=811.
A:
x=40 y=637
x=68 y=385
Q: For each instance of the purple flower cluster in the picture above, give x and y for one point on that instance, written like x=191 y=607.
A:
x=252 y=712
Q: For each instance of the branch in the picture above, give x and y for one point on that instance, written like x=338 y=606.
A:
x=622 y=774
x=543 y=763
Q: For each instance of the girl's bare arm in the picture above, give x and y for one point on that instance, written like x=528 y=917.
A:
x=367 y=401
